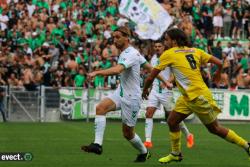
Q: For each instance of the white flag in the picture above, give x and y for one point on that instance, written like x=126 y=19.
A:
x=150 y=17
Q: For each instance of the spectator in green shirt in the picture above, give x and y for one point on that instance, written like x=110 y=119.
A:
x=80 y=78
x=201 y=42
x=105 y=64
x=111 y=8
x=196 y=12
x=42 y=4
x=99 y=81
x=65 y=4
x=244 y=63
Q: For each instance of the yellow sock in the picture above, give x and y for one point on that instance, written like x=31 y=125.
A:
x=234 y=138
x=175 y=138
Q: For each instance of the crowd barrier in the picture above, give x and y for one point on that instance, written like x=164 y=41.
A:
x=49 y=104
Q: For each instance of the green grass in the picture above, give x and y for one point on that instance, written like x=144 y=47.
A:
x=58 y=145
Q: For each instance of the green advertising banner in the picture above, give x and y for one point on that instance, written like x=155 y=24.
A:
x=236 y=106
x=74 y=104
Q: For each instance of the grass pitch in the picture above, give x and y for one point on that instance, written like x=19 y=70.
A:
x=58 y=145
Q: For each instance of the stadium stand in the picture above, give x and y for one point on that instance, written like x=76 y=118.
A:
x=56 y=42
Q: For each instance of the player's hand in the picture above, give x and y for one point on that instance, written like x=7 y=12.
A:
x=217 y=77
x=167 y=85
x=91 y=75
x=145 y=94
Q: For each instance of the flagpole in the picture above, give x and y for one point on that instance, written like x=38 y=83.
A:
x=91 y=42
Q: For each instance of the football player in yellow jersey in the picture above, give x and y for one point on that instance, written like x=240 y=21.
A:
x=185 y=63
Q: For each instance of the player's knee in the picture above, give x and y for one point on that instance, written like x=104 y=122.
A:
x=128 y=135
x=214 y=130
x=149 y=114
x=171 y=123
x=100 y=110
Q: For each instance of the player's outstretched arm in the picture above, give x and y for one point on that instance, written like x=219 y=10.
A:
x=149 y=68
x=110 y=71
x=148 y=82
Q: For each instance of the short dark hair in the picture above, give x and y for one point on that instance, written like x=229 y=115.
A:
x=179 y=36
x=159 y=41
x=124 y=30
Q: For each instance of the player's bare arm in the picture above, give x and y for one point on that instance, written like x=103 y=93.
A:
x=169 y=82
x=148 y=82
x=111 y=71
x=165 y=83
x=217 y=75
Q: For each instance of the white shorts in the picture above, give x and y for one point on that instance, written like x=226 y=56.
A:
x=129 y=107
x=155 y=99
x=217 y=21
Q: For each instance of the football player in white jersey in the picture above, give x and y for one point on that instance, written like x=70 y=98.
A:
x=161 y=95
x=127 y=96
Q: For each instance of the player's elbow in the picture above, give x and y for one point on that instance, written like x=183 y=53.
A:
x=117 y=71
x=149 y=69
x=216 y=61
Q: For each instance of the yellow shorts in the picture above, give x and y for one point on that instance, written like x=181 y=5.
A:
x=203 y=106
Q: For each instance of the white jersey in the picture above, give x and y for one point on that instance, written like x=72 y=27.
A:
x=165 y=74
x=130 y=77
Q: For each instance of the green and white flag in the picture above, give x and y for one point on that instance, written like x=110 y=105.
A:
x=71 y=103
x=151 y=19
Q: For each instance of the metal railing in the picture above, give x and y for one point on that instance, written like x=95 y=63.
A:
x=48 y=104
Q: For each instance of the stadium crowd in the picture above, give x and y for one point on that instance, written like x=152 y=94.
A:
x=56 y=42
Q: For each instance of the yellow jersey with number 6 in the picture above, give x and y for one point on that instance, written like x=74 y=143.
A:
x=185 y=64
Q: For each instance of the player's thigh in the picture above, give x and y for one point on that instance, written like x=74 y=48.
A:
x=153 y=100
x=168 y=102
x=175 y=118
x=130 y=110
x=181 y=106
x=205 y=108
x=106 y=105
x=110 y=103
